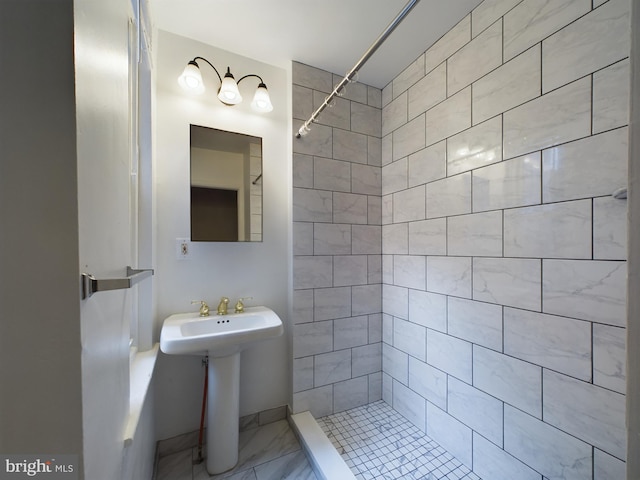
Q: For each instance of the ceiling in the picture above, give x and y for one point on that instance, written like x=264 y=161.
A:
x=329 y=34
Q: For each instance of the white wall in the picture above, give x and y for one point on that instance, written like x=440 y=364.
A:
x=259 y=270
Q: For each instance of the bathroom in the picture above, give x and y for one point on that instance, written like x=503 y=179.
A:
x=478 y=384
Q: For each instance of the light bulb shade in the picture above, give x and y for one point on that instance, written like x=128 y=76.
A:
x=261 y=101
x=229 y=93
x=191 y=79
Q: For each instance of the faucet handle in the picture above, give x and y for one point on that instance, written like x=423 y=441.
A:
x=204 y=308
x=240 y=305
x=222 y=306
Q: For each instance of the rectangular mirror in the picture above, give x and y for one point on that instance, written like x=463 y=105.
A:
x=226 y=186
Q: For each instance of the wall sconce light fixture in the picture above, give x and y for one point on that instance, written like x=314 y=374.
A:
x=228 y=93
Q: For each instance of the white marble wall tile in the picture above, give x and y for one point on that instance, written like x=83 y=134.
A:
x=476 y=322
x=488 y=12
x=302 y=104
x=533 y=20
x=374 y=97
x=387 y=94
x=319 y=141
x=410 y=338
x=609 y=229
x=350 y=394
x=588 y=44
x=476 y=147
x=449 y=354
x=491 y=461
x=395 y=363
x=366 y=119
x=349 y=146
x=557 y=117
x=611 y=97
x=374 y=208
x=386 y=147
x=332 y=239
x=349 y=270
x=375 y=387
x=598 y=418
x=559 y=343
x=374 y=151
x=428 y=309
x=429 y=91
x=394 y=177
x=475 y=59
x=455 y=437
x=428 y=382
x=387 y=269
x=449 y=117
x=590 y=290
x=428 y=164
x=339 y=115
x=332 y=367
x=556 y=455
x=318 y=401
x=410 y=405
x=374 y=269
x=409 y=76
x=510 y=85
x=367 y=359
x=366 y=239
x=350 y=208
x=312 y=205
x=409 y=138
x=312 y=338
x=508 y=184
x=387 y=328
x=350 y=332
x=331 y=174
x=609 y=358
x=409 y=271
x=515 y=382
x=302 y=238
x=395 y=114
x=477 y=234
x=395 y=300
x=449 y=196
x=395 y=239
x=302 y=374
x=312 y=272
x=607 y=467
x=591 y=167
x=366 y=179
x=428 y=237
x=312 y=77
x=566 y=227
x=507 y=281
x=302 y=306
x=353 y=91
x=449 y=275
x=449 y=43
x=409 y=205
x=330 y=303
x=387 y=388
x=302 y=170
x=476 y=409
x=375 y=327
x=366 y=299
x=387 y=209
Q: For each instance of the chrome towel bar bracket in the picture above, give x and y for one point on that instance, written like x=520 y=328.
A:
x=91 y=285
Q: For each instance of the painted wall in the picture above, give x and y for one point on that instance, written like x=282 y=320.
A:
x=503 y=251
x=258 y=270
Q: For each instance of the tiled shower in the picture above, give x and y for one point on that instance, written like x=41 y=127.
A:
x=457 y=249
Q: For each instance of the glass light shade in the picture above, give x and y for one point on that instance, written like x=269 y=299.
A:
x=261 y=101
x=229 y=93
x=191 y=79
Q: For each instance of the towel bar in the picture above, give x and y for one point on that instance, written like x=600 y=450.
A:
x=91 y=285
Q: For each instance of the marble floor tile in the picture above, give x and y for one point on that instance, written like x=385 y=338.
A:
x=176 y=466
x=293 y=466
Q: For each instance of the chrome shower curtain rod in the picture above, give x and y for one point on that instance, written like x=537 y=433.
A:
x=304 y=129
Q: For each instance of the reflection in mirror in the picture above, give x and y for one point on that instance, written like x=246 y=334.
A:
x=226 y=186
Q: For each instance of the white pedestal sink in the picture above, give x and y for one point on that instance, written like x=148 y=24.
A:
x=222 y=337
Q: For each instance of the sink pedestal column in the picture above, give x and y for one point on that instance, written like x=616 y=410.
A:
x=223 y=413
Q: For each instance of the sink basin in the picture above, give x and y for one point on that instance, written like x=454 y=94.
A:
x=218 y=335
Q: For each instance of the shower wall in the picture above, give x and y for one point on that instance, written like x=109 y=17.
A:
x=337 y=241
x=504 y=252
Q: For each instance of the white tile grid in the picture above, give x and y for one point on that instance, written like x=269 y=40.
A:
x=376 y=442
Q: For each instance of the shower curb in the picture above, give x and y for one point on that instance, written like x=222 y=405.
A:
x=325 y=460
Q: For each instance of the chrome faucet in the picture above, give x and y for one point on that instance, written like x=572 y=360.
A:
x=204 y=308
x=222 y=306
